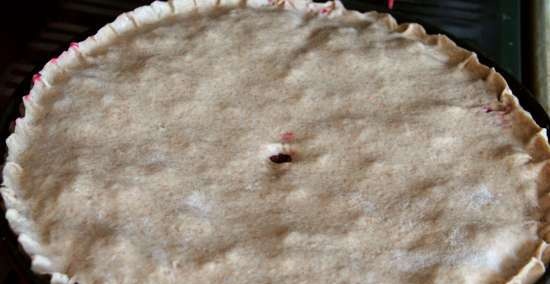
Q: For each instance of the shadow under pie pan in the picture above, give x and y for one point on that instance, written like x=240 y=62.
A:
x=19 y=262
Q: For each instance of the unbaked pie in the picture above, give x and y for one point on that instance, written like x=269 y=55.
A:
x=275 y=142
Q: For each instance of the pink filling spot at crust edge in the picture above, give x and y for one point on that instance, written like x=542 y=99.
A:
x=53 y=60
x=505 y=110
x=73 y=45
x=18 y=121
x=27 y=97
x=36 y=77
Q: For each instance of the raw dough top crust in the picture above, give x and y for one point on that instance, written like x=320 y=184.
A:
x=144 y=156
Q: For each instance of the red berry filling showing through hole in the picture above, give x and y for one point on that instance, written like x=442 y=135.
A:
x=281 y=158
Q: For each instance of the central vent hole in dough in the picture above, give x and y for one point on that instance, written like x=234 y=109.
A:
x=278 y=153
x=281 y=158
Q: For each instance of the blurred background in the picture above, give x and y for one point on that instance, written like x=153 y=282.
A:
x=512 y=34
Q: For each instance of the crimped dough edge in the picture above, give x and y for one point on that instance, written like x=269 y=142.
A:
x=533 y=136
